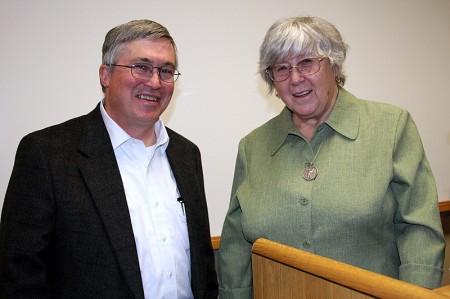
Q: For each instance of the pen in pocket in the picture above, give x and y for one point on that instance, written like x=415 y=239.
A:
x=181 y=201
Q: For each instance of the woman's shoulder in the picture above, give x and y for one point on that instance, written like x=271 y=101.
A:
x=371 y=106
x=267 y=130
x=369 y=112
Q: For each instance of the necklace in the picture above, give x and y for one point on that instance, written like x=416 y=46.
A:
x=310 y=173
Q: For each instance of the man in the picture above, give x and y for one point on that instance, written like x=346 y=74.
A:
x=111 y=204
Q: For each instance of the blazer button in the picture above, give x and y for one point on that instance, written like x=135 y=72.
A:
x=304 y=201
x=306 y=244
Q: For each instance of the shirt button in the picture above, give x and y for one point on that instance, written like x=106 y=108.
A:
x=304 y=201
x=306 y=244
x=156 y=204
x=164 y=238
x=170 y=274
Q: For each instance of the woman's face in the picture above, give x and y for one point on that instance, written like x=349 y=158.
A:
x=309 y=97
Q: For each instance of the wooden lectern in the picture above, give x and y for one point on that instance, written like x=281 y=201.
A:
x=284 y=272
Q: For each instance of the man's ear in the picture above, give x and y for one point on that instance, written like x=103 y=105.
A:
x=104 y=74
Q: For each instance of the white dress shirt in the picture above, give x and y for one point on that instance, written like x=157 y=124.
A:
x=157 y=217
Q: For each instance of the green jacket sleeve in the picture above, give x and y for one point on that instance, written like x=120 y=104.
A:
x=235 y=269
x=417 y=220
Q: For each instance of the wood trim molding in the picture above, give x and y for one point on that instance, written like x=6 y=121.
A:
x=215 y=241
x=444 y=206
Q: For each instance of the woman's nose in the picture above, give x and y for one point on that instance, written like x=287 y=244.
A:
x=296 y=75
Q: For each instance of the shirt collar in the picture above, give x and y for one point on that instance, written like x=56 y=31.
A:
x=118 y=135
x=344 y=119
x=345 y=116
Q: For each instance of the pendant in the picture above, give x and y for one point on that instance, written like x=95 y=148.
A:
x=310 y=172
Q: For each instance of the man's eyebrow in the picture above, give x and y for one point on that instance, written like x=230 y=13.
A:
x=146 y=60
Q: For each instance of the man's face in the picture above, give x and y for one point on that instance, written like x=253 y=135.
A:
x=137 y=104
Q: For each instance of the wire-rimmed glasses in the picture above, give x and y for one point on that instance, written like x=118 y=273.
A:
x=306 y=67
x=144 y=71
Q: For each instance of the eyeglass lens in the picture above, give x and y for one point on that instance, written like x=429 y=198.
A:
x=145 y=72
x=281 y=72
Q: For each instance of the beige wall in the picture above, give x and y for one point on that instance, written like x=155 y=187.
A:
x=51 y=51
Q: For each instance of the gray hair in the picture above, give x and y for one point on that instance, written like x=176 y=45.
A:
x=308 y=36
x=122 y=34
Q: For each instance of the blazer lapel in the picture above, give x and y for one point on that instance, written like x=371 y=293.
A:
x=186 y=167
x=180 y=167
x=102 y=176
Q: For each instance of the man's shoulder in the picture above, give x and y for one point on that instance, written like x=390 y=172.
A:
x=180 y=144
x=176 y=137
x=68 y=129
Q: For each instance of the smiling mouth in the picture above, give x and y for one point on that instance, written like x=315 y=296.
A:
x=147 y=98
x=302 y=94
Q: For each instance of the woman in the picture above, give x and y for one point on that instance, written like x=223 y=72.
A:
x=332 y=174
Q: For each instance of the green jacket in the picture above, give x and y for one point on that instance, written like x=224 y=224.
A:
x=373 y=203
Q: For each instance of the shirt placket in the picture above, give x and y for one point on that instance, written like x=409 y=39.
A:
x=161 y=226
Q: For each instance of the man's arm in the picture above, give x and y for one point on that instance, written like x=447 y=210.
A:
x=26 y=228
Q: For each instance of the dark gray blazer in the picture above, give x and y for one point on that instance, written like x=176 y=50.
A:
x=65 y=229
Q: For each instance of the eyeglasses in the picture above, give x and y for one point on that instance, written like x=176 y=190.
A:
x=306 y=67
x=144 y=71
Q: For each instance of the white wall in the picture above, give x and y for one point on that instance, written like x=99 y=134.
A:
x=50 y=52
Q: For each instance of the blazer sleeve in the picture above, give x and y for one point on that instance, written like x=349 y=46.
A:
x=27 y=223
